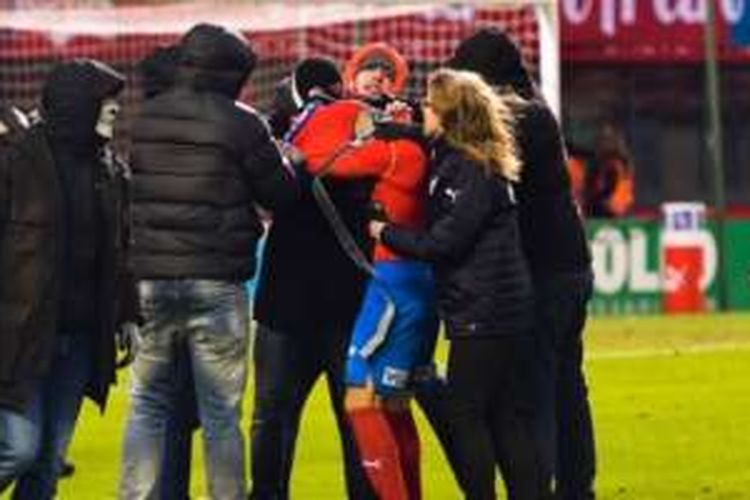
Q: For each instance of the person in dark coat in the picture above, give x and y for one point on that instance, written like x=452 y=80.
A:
x=307 y=296
x=201 y=164
x=557 y=252
x=64 y=287
x=483 y=285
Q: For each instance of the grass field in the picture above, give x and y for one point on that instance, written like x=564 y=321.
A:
x=671 y=403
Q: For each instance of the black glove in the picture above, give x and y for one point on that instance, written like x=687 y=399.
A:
x=125 y=344
x=376 y=211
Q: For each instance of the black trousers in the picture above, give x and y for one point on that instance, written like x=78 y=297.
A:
x=566 y=425
x=494 y=398
x=286 y=369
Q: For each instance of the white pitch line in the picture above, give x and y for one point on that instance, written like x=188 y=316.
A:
x=668 y=351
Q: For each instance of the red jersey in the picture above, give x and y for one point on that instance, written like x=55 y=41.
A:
x=399 y=167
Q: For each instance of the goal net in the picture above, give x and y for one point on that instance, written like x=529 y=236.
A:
x=33 y=39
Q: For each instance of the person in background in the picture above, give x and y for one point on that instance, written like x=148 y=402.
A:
x=307 y=297
x=556 y=250
x=201 y=163
x=578 y=164
x=65 y=287
x=483 y=285
x=611 y=183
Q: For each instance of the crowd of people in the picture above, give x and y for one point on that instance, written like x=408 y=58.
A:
x=388 y=218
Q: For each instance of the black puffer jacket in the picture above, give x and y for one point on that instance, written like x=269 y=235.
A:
x=201 y=162
x=41 y=262
x=483 y=284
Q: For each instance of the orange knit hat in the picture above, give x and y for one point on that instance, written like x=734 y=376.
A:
x=381 y=52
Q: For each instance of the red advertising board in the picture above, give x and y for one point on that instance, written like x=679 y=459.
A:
x=644 y=31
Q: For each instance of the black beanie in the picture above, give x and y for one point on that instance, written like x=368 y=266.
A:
x=495 y=56
x=314 y=72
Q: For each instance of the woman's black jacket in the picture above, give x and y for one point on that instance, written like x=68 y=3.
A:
x=473 y=241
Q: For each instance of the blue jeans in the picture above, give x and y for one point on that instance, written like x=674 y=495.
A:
x=175 y=471
x=211 y=318
x=32 y=442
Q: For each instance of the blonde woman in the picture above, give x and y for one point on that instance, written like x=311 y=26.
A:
x=483 y=285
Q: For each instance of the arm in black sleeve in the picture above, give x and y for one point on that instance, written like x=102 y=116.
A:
x=4 y=191
x=542 y=151
x=456 y=229
x=128 y=302
x=271 y=178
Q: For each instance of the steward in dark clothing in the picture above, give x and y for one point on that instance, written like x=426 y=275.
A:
x=483 y=287
x=201 y=162
x=484 y=297
x=557 y=253
x=307 y=297
x=65 y=287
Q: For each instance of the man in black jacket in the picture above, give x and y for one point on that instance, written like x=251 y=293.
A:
x=62 y=244
x=201 y=162
x=307 y=297
x=557 y=253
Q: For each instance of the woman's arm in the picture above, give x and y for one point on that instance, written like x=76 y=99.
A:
x=468 y=203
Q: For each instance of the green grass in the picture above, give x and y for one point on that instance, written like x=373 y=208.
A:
x=671 y=400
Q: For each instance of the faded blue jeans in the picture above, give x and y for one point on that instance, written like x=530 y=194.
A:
x=212 y=319
x=32 y=441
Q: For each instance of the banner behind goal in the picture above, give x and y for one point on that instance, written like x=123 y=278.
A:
x=426 y=33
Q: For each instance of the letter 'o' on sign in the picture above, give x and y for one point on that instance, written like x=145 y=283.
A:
x=610 y=254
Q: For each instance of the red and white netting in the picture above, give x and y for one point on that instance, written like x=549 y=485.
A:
x=32 y=41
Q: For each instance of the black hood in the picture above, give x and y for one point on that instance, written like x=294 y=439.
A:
x=496 y=57
x=216 y=60
x=72 y=96
x=158 y=70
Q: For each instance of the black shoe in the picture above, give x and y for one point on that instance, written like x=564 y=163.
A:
x=67 y=470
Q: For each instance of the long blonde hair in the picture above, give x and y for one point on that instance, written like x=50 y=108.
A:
x=475 y=120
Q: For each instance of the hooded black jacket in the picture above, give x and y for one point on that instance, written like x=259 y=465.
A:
x=200 y=164
x=551 y=228
x=482 y=281
x=43 y=224
x=307 y=281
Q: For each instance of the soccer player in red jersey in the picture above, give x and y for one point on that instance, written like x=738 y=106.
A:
x=386 y=348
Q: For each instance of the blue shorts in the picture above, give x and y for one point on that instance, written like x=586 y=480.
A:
x=395 y=331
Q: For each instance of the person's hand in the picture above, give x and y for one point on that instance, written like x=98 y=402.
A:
x=399 y=111
x=376 y=229
x=293 y=154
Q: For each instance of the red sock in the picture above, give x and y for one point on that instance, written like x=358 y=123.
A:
x=379 y=452
x=405 y=431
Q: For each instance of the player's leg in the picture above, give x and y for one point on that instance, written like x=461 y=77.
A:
x=375 y=439
x=336 y=344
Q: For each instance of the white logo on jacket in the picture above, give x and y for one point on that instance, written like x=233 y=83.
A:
x=452 y=194
x=433 y=184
